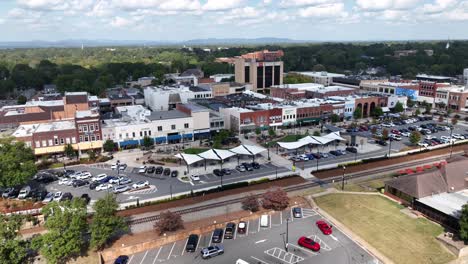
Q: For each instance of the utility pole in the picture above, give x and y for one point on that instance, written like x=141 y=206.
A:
x=389 y=146
x=342 y=178
x=287 y=234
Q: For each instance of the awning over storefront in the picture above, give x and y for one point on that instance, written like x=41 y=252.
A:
x=128 y=143
x=160 y=139
x=174 y=137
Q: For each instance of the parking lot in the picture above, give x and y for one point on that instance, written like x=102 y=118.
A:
x=266 y=245
x=160 y=185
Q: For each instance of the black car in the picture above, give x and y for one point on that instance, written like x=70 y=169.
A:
x=86 y=198
x=218 y=172
x=151 y=169
x=174 y=173
x=226 y=171
x=10 y=193
x=121 y=260
x=335 y=153
x=217 y=236
x=159 y=170
x=247 y=166
x=68 y=173
x=67 y=196
x=46 y=178
x=192 y=243
x=381 y=142
x=79 y=183
x=255 y=165
x=167 y=172
x=351 y=149
x=230 y=230
x=93 y=185
x=38 y=195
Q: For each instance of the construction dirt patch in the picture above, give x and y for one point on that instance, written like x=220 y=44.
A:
x=202 y=198
x=387 y=162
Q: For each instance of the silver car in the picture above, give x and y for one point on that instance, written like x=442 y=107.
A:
x=121 y=189
x=212 y=251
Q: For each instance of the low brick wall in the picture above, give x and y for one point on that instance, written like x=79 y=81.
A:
x=112 y=253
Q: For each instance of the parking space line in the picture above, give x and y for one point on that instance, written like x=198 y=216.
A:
x=131 y=259
x=258 y=225
x=259 y=260
x=247 y=231
x=199 y=241
x=270 y=221
x=157 y=255
x=291 y=214
x=281 y=217
x=183 y=249
x=170 y=252
x=211 y=238
x=146 y=253
x=235 y=233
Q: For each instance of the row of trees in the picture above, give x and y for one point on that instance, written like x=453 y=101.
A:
x=67 y=228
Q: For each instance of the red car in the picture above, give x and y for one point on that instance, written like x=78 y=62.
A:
x=396 y=132
x=324 y=227
x=308 y=243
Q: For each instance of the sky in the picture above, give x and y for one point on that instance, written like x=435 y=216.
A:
x=177 y=20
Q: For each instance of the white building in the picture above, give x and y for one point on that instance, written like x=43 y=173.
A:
x=325 y=78
x=219 y=77
x=465 y=76
x=164 y=98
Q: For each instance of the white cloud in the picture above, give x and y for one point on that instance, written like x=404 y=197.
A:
x=324 y=11
x=458 y=13
x=439 y=6
x=298 y=3
x=121 y=22
x=43 y=4
x=380 y=5
x=220 y=5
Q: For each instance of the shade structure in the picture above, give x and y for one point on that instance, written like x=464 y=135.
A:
x=292 y=145
x=312 y=140
x=335 y=136
x=189 y=158
x=210 y=155
x=254 y=149
x=224 y=154
x=241 y=150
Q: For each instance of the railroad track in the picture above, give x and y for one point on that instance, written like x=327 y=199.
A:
x=299 y=187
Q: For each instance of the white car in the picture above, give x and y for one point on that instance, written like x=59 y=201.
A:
x=429 y=137
x=406 y=134
x=114 y=166
x=99 y=177
x=140 y=184
x=142 y=169
x=121 y=189
x=422 y=144
x=196 y=177
x=58 y=196
x=458 y=136
x=115 y=180
x=49 y=198
x=387 y=125
x=84 y=175
x=65 y=181
x=395 y=137
x=303 y=157
x=104 y=186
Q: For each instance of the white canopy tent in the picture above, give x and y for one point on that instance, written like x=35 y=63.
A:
x=254 y=149
x=335 y=136
x=322 y=140
x=241 y=150
x=209 y=154
x=224 y=154
x=189 y=158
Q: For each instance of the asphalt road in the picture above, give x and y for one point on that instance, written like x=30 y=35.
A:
x=266 y=245
x=160 y=185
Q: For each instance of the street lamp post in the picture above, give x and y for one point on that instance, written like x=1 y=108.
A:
x=318 y=162
x=170 y=189
x=389 y=147
x=451 y=141
x=221 y=180
x=287 y=234
x=342 y=178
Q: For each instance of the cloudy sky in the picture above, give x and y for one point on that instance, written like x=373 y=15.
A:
x=319 y=20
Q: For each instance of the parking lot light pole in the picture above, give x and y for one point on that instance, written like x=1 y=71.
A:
x=318 y=162
x=342 y=178
x=170 y=189
x=287 y=233
x=389 y=147
x=451 y=142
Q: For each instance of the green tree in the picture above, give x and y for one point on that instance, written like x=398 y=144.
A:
x=463 y=222
x=147 y=142
x=92 y=155
x=357 y=113
x=417 y=112
x=398 y=108
x=109 y=145
x=106 y=223
x=316 y=133
x=258 y=131
x=410 y=102
x=428 y=108
x=377 y=112
x=335 y=118
x=66 y=228
x=69 y=151
x=16 y=163
x=271 y=132
x=415 y=137
x=13 y=250
x=22 y=100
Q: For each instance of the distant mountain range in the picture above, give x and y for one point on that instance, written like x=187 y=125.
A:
x=112 y=43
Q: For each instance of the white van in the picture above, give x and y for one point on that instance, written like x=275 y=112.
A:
x=240 y=261
x=264 y=219
x=24 y=192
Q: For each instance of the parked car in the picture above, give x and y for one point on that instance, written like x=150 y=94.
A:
x=65 y=181
x=324 y=155
x=226 y=171
x=25 y=192
x=217 y=236
x=174 y=173
x=86 y=198
x=395 y=137
x=381 y=142
x=121 y=189
x=218 y=172
x=140 y=184
x=247 y=166
x=104 y=187
x=68 y=173
x=458 y=136
x=48 y=198
x=167 y=172
x=212 y=251
x=122 y=167
x=142 y=169
x=38 y=195
x=79 y=183
x=351 y=149
x=242 y=227
x=423 y=144
x=10 y=192
x=93 y=185
x=230 y=230
x=192 y=243
x=256 y=166
x=195 y=177
x=335 y=153
x=308 y=243
x=405 y=134
x=58 y=196
x=84 y=175
x=66 y=196
x=240 y=168
x=114 y=180
x=45 y=178
x=121 y=260
x=99 y=177
x=124 y=180
x=151 y=169
x=159 y=170
x=297 y=212
x=324 y=227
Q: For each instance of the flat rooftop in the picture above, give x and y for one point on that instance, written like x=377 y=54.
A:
x=321 y=74
x=163 y=115
x=447 y=203
x=29 y=130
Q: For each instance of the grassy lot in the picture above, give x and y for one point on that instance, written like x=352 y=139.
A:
x=380 y=222
x=363 y=186
x=195 y=150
